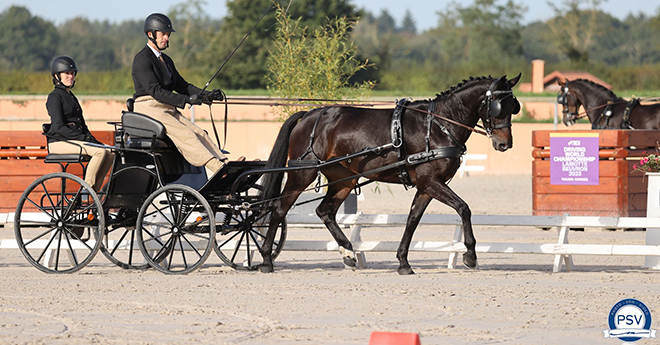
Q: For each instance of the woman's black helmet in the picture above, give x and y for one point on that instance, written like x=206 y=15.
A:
x=63 y=64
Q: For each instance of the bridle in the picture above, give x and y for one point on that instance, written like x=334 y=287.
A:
x=562 y=98
x=494 y=108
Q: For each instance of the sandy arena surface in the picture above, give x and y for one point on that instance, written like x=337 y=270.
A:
x=312 y=299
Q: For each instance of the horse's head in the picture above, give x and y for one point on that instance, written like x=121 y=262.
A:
x=570 y=103
x=496 y=109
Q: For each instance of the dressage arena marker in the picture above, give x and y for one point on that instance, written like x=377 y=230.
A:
x=562 y=250
x=394 y=338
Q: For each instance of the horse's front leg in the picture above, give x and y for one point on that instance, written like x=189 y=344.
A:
x=327 y=211
x=445 y=195
x=419 y=204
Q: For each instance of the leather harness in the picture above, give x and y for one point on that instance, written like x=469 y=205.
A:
x=607 y=114
x=396 y=130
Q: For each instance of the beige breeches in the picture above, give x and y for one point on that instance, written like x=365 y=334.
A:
x=193 y=142
x=99 y=164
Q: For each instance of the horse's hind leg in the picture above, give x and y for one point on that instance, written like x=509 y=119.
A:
x=327 y=211
x=419 y=204
x=297 y=182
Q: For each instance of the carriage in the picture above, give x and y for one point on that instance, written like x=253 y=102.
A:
x=156 y=210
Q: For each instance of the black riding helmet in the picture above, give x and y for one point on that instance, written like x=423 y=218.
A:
x=61 y=64
x=157 y=22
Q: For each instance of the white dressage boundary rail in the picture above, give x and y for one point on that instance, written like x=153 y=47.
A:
x=562 y=249
x=464 y=169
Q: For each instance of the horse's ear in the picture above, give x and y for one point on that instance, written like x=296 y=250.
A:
x=562 y=83
x=513 y=81
x=500 y=83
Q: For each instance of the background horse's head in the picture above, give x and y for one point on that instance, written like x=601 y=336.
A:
x=570 y=101
x=496 y=109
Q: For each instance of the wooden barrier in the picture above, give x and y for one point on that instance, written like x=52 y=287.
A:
x=620 y=193
x=22 y=156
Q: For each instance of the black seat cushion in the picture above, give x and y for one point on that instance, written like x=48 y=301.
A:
x=142 y=126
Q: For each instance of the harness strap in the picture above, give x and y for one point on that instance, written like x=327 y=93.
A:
x=397 y=140
x=310 y=148
x=625 y=123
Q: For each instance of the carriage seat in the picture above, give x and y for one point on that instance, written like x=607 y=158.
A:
x=142 y=130
x=62 y=157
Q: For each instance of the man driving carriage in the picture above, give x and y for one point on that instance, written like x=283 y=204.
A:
x=160 y=90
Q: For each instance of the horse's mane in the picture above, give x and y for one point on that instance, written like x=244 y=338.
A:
x=597 y=86
x=456 y=88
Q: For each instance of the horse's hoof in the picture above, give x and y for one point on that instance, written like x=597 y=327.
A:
x=470 y=260
x=405 y=271
x=266 y=269
x=349 y=262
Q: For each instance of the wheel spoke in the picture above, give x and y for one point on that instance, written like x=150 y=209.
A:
x=73 y=253
x=118 y=244
x=237 y=247
x=38 y=237
x=191 y=246
x=183 y=253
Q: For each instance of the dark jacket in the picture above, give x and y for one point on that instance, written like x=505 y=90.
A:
x=151 y=78
x=66 y=117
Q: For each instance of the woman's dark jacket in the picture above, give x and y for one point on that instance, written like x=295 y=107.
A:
x=66 y=117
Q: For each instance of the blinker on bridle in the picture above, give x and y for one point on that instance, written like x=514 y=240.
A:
x=562 y=98
x=494 y=107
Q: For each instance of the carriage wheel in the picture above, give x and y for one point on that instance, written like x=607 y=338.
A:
x=241 y=236
x=120 y=244
x=174 y=231
x=58 y=223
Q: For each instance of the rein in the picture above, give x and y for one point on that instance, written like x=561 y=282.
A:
x=586 y=112
x=450 y=121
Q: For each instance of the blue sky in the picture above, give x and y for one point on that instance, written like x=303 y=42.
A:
x=424 y=11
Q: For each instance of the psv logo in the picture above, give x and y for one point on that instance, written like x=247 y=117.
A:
x=629 y=320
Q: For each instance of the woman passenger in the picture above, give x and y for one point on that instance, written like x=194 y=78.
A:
x=68 y=133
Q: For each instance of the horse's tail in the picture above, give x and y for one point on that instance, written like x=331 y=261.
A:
x=272 y=183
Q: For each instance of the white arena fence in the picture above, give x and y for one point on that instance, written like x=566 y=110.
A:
x=561 y=249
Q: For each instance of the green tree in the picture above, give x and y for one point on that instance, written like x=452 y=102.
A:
x=408 y=24
x=27 y=42
x=87 y=43
x=385 y=23
x=194 y=27
x=575 y=30
x=484 y=34
x=247 y=69
x=316 y=66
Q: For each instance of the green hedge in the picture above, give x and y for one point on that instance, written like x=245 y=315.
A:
x=626 y=80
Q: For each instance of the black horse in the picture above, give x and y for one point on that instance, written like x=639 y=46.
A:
x=605 y=109
x=325 y=135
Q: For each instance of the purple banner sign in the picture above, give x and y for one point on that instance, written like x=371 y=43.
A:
x=574 y=158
